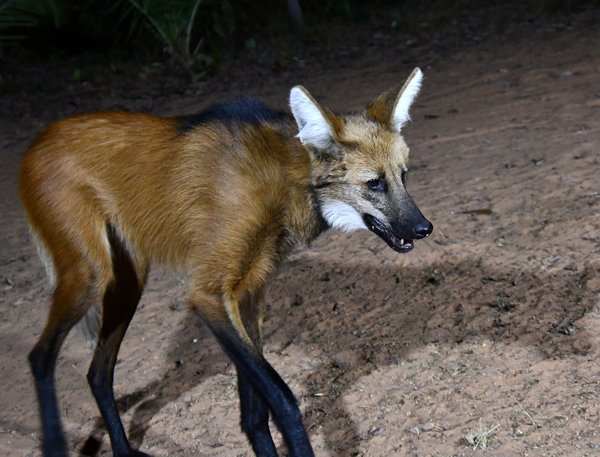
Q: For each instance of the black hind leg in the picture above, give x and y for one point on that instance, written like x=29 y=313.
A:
x=42 y=360
x=119 y=305
x=70 y=302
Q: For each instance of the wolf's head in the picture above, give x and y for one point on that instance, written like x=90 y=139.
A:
x=360 y=163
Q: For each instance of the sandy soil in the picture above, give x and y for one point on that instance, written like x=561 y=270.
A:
x=492 y=324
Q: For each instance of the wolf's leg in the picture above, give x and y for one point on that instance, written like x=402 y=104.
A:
x=119 y=304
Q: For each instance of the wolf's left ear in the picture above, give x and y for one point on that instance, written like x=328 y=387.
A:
x=392 y=107
x=316 y=125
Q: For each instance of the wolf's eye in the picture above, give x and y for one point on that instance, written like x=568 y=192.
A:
x=376 y=185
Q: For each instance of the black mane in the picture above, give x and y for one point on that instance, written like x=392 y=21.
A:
x=246 y=110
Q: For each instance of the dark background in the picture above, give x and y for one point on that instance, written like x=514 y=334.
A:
x=135 y=48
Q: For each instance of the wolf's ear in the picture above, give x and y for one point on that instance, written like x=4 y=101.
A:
x=392 y=107
x=316 y=125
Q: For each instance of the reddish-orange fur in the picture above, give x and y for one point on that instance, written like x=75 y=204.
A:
x=109 y=194
x=198 y=201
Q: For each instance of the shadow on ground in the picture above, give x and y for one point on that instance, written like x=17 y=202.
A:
x=380 y=314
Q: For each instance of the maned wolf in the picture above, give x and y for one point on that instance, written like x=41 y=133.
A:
x=225 y=195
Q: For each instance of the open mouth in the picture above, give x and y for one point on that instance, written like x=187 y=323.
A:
x=377 y=227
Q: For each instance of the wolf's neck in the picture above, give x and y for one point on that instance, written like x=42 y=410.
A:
x=302 y=216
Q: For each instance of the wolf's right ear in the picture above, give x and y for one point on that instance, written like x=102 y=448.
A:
x=315 y=124
x=392 y=107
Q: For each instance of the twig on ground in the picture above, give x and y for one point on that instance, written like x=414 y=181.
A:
x=479 y=437
x=529 y=416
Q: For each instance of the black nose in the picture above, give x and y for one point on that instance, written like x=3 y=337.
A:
x=423 y=229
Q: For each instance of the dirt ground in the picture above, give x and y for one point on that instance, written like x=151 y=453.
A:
x=490 y=326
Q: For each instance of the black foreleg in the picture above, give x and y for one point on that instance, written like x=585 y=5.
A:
x=255 y=418
x=275 y=392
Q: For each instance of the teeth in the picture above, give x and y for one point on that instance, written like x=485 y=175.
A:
x=402 y=241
